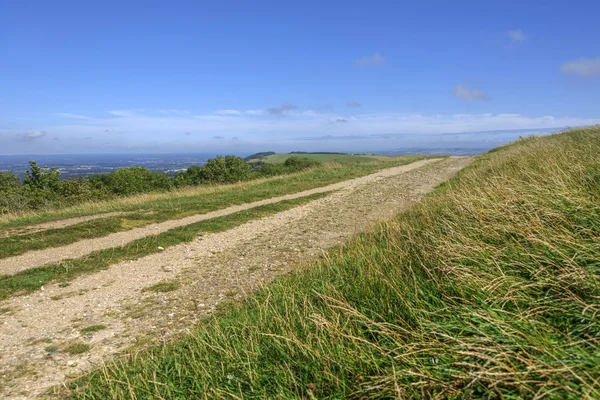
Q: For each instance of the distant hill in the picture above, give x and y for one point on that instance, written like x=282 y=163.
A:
x=316 y=152
x=257 y=156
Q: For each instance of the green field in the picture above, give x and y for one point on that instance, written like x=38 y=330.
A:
x=324 y=158
x=489 y=288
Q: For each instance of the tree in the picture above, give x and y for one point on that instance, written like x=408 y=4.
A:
x=8 y=182
x=42 y=178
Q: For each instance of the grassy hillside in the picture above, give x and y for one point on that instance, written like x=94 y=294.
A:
x=490 y=288
x=324 y=158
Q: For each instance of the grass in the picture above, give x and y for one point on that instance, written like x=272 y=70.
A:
x=52 y=348
x=324 y=158
x=77 y=348
x=92 y=329
x=32 y=279
x=489 y=288
x=162 y=287
x=154 y=208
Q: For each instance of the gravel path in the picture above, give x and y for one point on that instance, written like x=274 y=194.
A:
x=78 y=249
x=213 y=269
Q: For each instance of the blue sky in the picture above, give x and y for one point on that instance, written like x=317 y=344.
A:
x=239 y=76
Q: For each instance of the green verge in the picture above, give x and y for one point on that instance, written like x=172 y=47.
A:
x=32 y=279
x=173 y=206
x=489 y=288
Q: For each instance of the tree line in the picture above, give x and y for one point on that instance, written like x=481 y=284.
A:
x=42 y=187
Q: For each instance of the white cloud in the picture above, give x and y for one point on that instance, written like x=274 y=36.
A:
x=373 y=60
x=32 y=134
x=353 y=104
x=122 y=113
x=254 y=112
x=469 y=94
x=228 y=112
x=174 y=112
x=517 y=35
x=71 y=116
x=585 y=67
x=147 y=127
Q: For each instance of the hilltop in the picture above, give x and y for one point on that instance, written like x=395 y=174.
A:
x=401 y=277
x=486 y=289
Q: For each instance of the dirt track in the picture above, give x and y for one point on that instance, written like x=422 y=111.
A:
x=215 y=268
x=36 y=258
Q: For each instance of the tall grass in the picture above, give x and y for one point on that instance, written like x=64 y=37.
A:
x=487 y=289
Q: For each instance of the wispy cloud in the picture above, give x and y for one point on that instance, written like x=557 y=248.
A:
x=254 y=112
x=467 y=93
x=122 y=113
x=31 y=135
x=353 y=104
x=71 y=116
x=174 y=112
x=373 y=60
x=517 y=35
x=150 y=131
x=228 y=112
x=281 y=110
x=585 y=67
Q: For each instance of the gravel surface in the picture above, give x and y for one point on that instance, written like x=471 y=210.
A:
x=213 y=269
x=78 y=249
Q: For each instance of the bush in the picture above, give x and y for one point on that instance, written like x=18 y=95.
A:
x=300 y=163
x=132 y=180
x=8 y=182
x=220 y=169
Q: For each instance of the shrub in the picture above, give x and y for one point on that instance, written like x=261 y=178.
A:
x=132 y=180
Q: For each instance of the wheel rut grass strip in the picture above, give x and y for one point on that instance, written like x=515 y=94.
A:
x=33 y=279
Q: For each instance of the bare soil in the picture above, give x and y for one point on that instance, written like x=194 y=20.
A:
x=214 y=269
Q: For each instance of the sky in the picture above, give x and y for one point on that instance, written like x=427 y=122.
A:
x=241 y=76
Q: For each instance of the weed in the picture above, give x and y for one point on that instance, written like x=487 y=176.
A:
x=161 y=287
x=77 y=348
x=92 y=328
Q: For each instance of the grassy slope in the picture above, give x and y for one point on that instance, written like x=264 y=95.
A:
x=147 y=209
x=489 y=288
x=325 y=158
